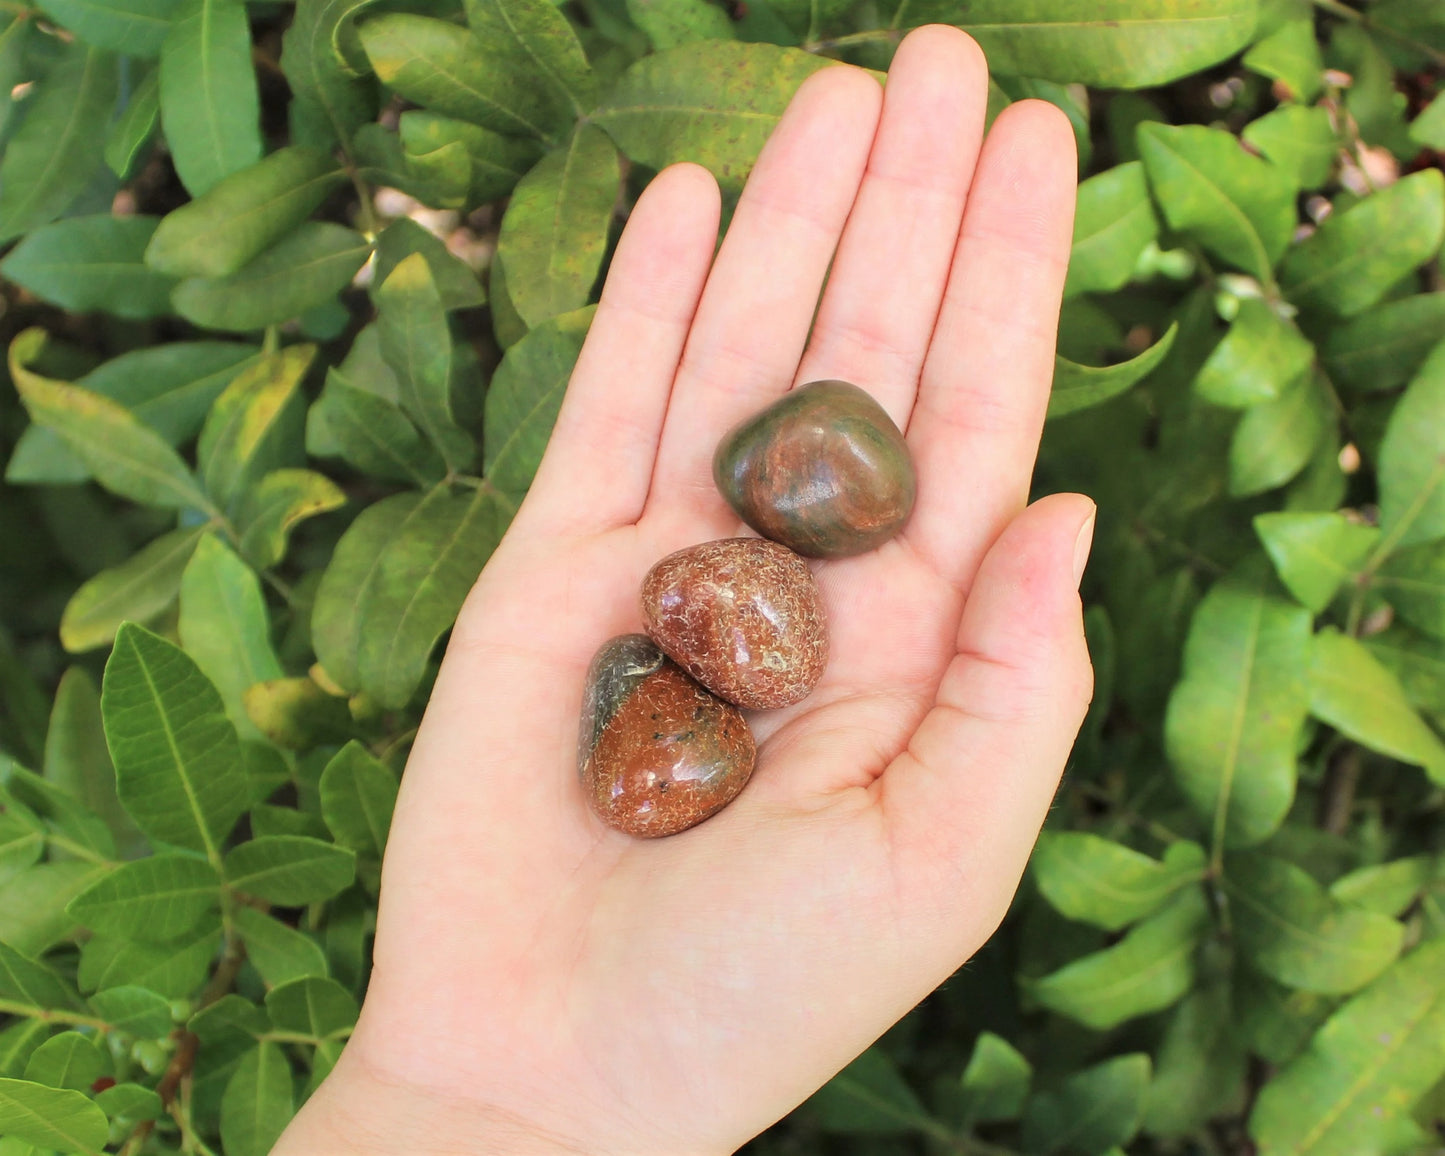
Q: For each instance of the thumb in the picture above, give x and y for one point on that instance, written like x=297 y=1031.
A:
x=965 y=801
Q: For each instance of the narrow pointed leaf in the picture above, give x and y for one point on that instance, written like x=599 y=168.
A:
x=86 y=263
x=1095 y=880
x=1234 y=718
x=291 y=870
x=1079 y=387
x=140 y=589
x=210 y=105
x=276 y=505
x=258 y=1103
x=1090 y=1111
x=357 y=796
x=1113 y=222
x=177 y=759
x=157 y=898
x=1314 y=554
x=1412 y=460
x=1259 y=358
x=126 y=27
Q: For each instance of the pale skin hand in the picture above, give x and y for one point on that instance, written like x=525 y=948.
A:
x=543 y=983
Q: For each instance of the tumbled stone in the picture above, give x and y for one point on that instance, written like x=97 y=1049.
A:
x=743 y=616
x=657 y=753
x=823 y=470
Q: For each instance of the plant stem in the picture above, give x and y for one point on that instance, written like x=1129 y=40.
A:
x=46 y=1015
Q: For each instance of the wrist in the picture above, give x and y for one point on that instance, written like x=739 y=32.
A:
x=356 y=1113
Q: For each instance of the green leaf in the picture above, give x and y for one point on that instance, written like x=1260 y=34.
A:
x=133 y=129
x=157 y=898
x=33 y=918
x=1079 y=387
x=313 y=1006
x=1412 y=460
x=1314 y=554
x=357 y=796
x=1428 y=129
x=244 y=214
x=1146 y=971
x=337 y=617
x=443 y=68
x=17 y=1042
x=1360 y=698
x=69 y=1060
x=52 y=156
x=1200 y=1064
x=57 y=806
x=1235 y=716
x=258 y=1103
x=371 y=434
x=1275 y=440
x=421 y=579
x=1260 y=357
x=140 y=589
x=1417 y=662
x=1102 y=43
x=168 y=387
x=36 y=985
x=669 y=23
x=495 y=162
x=60 y=1119
x=336 y=99
x=714 y=103
x=297 y=714
x=87 y=263
x=996 y=1081
x=1364 y=1069
x=1385 y=346
x=554 y=234
x=1386 y=888
x=1290 y=930
x=229 y=1014
x=457 y=286
x=129 y=1102
x=1095 y=880
x=276 y=505
x=76 y=757
x=300 y=272
x=22 y=839
x=135 y=1011
x=524 y=398
x=1358 y=255
x=125 y=27
x=535 y=32
x=1240 y=208
x=173 y=970
x=417 y=345
x=1300 y=141
x=869 y=1097
x=280 y=953
x=125 y=455
x=1413 y=581
x=290 y=870
x=254 y=425
x=177 y=760
x=1291 y=54
x=1091 y=1111
x=1113 y=223
x=225 y=628
x=210 y=105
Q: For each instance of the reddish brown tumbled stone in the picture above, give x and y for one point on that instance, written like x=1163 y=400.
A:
x=823 y=470
x=657 y=753
x=743 y=616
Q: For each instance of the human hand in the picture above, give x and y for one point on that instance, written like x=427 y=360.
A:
x=544 y=983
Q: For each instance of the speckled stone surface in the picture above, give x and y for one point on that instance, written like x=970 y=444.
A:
x=657 y=753
x=743 y=616
x=823 y=470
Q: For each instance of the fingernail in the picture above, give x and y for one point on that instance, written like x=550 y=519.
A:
x=1083 y=543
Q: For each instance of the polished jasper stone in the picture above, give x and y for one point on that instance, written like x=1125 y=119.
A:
x=657 y=753
x=743 y=616
x=823 y=470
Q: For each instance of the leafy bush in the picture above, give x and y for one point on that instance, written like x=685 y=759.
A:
x=275 y=427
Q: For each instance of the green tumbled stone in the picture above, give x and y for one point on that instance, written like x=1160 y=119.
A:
x=823 y=470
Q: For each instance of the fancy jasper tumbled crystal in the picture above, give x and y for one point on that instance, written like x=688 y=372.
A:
x=657 y=753
x=743 y=616
x=823 y=470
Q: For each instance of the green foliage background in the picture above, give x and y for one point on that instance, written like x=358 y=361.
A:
x=247 y=490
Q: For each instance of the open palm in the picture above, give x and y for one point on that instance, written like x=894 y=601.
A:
x=543 y=981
